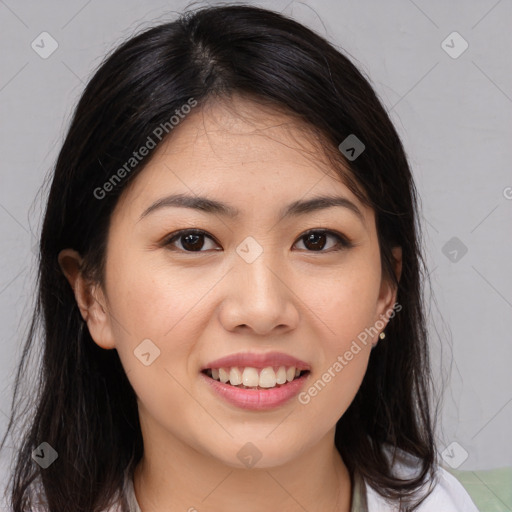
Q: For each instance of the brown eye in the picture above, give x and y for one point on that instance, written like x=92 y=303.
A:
x=316 y=240
x=191 y=240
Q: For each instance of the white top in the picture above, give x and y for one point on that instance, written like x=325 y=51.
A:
x=448 y=495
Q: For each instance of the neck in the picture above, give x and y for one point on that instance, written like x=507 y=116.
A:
x=172 y=476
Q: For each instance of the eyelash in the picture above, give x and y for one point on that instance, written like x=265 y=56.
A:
x=343 y=242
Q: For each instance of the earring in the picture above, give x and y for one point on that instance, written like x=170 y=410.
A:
x=382 y=335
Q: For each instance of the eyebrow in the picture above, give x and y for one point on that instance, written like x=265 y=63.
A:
x=216 y=207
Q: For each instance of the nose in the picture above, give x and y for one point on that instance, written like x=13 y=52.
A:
x=259 y=299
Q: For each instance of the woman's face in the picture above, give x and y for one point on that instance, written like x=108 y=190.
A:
x=251 y=284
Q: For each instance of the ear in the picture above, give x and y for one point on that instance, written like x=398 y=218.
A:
x=89 y=297
x=388 y=290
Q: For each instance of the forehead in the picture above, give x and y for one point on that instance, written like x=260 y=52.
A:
x=242 y=132
x=241 y=150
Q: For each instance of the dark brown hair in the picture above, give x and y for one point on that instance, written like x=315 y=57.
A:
x=82 y=403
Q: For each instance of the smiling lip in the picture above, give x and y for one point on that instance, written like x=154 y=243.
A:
x=257 y=399
x=257 y=361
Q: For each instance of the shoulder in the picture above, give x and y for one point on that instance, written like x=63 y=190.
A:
x=447 y=493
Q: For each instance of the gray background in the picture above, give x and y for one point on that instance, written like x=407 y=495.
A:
x=453 y=115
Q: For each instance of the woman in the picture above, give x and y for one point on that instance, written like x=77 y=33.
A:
x=230 y=286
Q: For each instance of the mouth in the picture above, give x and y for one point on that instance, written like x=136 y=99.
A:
x=257 y=379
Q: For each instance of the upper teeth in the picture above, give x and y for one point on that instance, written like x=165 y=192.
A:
x=248 y=376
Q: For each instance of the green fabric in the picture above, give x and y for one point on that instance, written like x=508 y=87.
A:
x=490 y=490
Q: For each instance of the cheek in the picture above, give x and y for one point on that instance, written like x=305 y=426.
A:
x=154 y=334
x=145 y=305
x=345 y=305
x=347 y=299
x=151 y=301
x=330 y=393
x=345 y=353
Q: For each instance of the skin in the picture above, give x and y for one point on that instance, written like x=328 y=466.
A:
x=199 y=306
